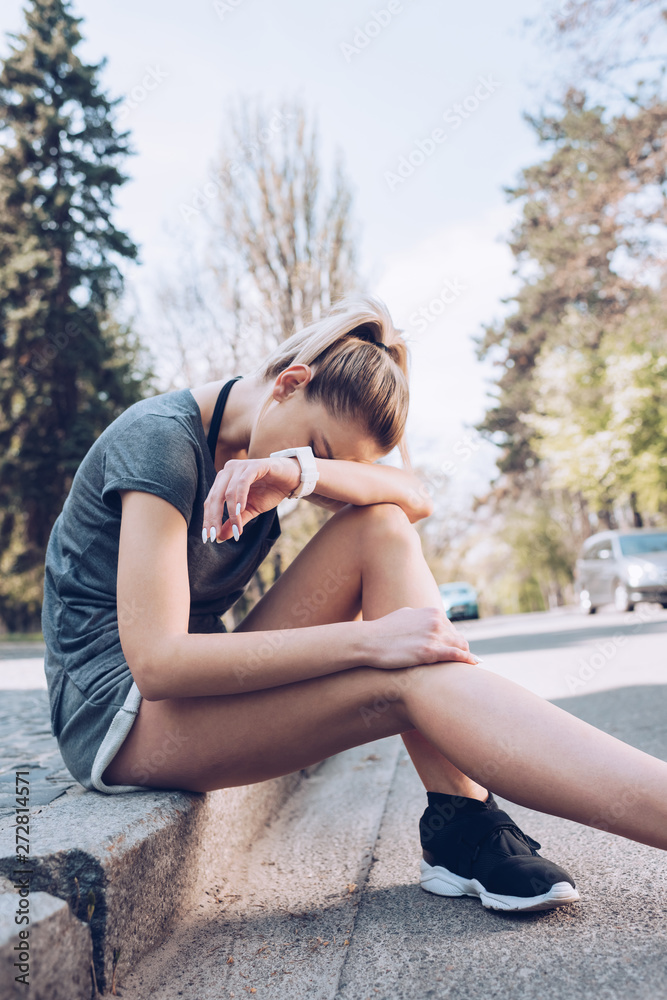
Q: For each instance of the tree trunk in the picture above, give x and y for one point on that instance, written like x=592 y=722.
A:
x=637 y=519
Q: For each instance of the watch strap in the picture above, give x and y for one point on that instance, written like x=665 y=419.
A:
x=309 y=473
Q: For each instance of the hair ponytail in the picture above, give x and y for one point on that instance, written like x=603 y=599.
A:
x=360 y=367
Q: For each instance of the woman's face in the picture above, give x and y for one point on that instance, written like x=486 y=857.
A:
x=290 y=421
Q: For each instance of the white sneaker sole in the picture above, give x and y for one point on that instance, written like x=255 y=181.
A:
x=442 y=882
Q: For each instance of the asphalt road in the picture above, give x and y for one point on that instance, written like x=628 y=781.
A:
x=564 y=653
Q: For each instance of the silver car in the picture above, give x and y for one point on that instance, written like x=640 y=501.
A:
x=622 y=567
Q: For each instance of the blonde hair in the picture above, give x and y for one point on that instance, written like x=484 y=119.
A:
x=352 y=376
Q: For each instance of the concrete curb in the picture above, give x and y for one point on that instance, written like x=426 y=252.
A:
x=125 y=864
x=284 y=908
x=58 y=951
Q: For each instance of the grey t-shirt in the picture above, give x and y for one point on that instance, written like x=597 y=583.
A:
x=157 y=446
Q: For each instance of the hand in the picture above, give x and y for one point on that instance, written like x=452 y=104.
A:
x=409 y=636
x=257 y=484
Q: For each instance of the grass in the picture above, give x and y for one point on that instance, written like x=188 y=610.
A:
x=21 y=637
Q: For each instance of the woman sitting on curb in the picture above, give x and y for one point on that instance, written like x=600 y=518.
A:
x=169 y=515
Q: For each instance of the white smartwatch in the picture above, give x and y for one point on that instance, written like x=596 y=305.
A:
x=309 y=473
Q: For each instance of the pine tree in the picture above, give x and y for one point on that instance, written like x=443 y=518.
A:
x=67 y=367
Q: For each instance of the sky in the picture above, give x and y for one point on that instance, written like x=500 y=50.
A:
x=384 y=80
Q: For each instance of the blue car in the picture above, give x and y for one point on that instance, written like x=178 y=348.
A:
x=459 y=600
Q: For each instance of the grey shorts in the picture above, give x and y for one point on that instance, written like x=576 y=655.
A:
x=91 y=725
x=90 y=735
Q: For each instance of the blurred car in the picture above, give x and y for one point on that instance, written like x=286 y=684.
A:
x=623 y=566
x=459 y=600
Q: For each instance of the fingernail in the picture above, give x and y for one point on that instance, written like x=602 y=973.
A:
x=238 y=507
x=204 y=536
x=479 y=659
x=212 y=533
x=219 y=541
x=235 y=532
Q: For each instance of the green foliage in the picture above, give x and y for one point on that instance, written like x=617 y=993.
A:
x=522 y=555
x=541 y=558
x=67 y=367
x=582 y=356
x=603 y=415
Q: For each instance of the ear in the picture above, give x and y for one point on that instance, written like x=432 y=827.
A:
x=290 y=379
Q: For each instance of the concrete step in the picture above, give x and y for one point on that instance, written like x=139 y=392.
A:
x=278 y=919
x=48 y=959
x=127 y=864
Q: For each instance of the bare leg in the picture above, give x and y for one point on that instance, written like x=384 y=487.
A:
x=541 y=756
x=437 y=773
x=410 y=583
x=530 y=751
x=538 y=755
x=323 y=584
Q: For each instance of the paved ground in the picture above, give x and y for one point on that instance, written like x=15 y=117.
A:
x=25 y=729
x=327 y=903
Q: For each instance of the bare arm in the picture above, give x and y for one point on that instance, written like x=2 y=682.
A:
x=167 y=661
x=259 y=484
x=320 y=501
x=153 y=596
x=362 y=483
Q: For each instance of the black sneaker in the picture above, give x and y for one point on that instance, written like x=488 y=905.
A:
x=473 y=848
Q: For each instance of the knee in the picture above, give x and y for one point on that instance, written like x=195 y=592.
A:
x=387 y=520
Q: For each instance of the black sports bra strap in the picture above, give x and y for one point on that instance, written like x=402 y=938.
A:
x=216 y=420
